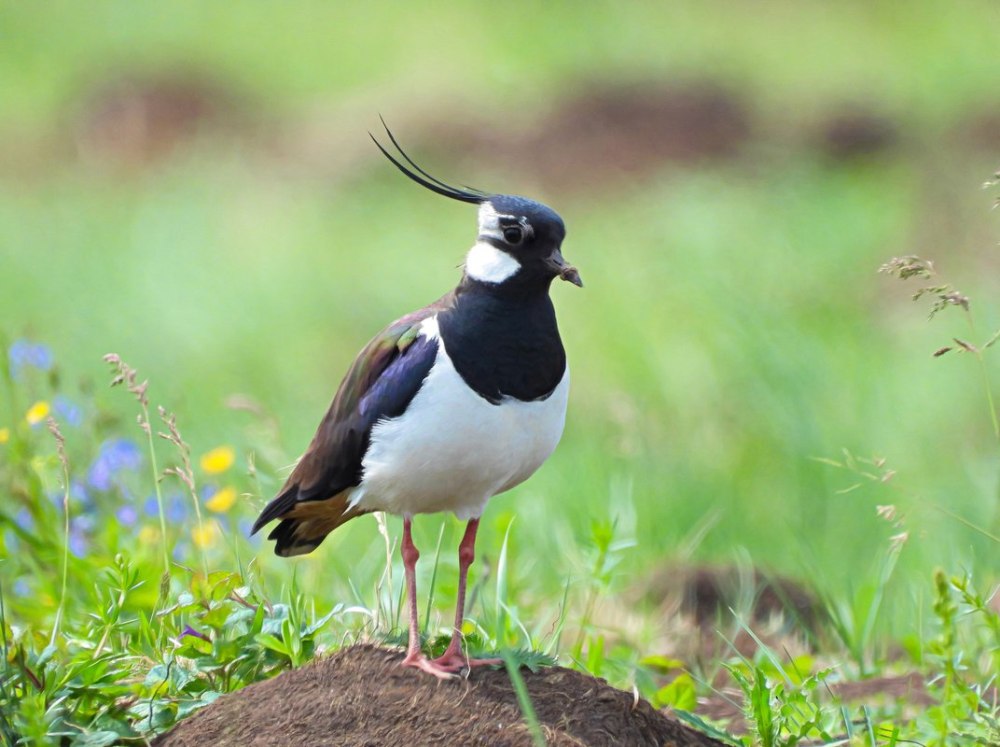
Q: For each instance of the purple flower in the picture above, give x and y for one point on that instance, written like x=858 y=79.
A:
x=22 y=588
x=77 y=542
x=69 y=410
x=127 y=515
x=188 y=630
x=23 y=354
x=116 y=455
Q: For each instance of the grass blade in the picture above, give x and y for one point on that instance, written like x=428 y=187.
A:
x=523 y=697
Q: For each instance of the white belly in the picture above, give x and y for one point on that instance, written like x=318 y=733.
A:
x=452 y=450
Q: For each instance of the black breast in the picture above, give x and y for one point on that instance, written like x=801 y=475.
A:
x=503 y=346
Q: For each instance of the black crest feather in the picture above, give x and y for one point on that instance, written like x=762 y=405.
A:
x=421 y=177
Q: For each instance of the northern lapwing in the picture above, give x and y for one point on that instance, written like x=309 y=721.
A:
x=446 y=407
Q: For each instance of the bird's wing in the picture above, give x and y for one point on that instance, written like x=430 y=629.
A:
x=380 y=384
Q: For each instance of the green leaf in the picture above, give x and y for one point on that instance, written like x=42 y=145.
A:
x=156 y=675
x=96 y=739
x=661 y=663
x=222 y=584
x=193 y=645
x=187 y=707
x=217 y=617
x=680 y=693
x=272 y=642
x=704 y=727
x=522 y=657
x=322 y=621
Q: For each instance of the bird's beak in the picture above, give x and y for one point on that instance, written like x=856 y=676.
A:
x=563 y=269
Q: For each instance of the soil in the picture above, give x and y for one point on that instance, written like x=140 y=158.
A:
x=361 y=696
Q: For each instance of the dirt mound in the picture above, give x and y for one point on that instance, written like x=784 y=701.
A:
x=706 y=592
x=136 y=120
x=855 y=134
x=361 y=696
x=604 y=136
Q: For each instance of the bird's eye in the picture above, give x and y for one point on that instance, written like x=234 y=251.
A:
x=513 y=235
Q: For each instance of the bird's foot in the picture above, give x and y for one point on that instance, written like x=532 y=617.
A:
x=456 y=661
x=448 y=666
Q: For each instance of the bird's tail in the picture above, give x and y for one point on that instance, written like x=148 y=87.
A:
x=304 y=524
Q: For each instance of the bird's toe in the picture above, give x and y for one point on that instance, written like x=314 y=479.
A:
x=421 y=662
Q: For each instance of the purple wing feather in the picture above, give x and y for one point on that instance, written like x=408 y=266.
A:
x=380 y=384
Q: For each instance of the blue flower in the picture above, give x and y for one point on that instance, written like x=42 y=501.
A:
x=82 y=523
x=115 y=456
x=77 y=542
x=68 y=409
x=245 y=526
x=80 y=528
x=23 y=354
x=22 y=588
x=78 y=492
x=180 y=551
x=25 y=520
x=174 y=507
x=176 y=510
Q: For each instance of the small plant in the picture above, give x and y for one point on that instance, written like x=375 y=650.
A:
x=123 y=639
x=945 y=295
x=964 y=712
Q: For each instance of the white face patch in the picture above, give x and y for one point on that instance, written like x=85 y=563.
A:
x=489 y=222
x=487 y=264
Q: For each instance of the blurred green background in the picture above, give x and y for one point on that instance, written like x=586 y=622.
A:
x=192 y=186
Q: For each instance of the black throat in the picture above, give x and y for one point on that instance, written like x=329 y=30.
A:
x=504 y=341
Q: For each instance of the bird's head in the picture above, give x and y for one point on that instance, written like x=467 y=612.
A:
x=519 y=240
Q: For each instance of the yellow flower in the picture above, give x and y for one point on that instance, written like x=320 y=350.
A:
x=222 y=500
x=218 y=460
x=148 y=536
x=4 y=435
x=204 y=536
x=37 y=412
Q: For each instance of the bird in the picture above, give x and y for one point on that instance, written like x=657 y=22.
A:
x=446 y=407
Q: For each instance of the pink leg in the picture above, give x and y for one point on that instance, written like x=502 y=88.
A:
x=410 y=557
x=414 y=656
x=453 y=659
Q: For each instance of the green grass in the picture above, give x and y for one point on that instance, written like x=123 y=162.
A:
x=736 y=357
